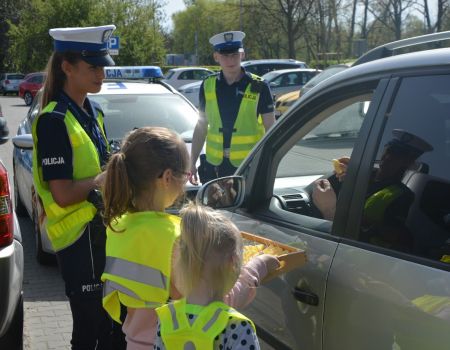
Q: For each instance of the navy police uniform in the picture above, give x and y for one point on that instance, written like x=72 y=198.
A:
x=229 y=99
x=82 y=263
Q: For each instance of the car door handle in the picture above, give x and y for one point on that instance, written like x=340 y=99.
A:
x=305 y=296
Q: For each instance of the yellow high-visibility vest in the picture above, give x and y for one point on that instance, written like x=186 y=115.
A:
x=178 y=334
x=65 y=225
x=248 y=126
x=139 y=261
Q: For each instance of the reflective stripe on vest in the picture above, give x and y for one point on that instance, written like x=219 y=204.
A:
x=249 y=128
x=65 y=225
x=139 y=261
x=179 y=334
x=377 y=203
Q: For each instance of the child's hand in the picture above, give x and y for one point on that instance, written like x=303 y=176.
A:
x=271 y=261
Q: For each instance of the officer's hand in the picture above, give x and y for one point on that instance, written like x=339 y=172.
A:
x=193 y=178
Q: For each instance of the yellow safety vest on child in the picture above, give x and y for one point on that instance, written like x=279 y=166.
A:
x=139 y=261
x=178 y=334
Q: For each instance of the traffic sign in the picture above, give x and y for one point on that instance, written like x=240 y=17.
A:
x=113 y=45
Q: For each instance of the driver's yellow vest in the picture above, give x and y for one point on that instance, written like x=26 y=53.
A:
x=247 y=130
x=139 y=261
x=65 y=225
x=376 y=204
x=178 y=333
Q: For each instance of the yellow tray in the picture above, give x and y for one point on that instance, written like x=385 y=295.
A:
x=289 y=261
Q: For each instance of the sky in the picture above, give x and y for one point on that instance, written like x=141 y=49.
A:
x=172 y=7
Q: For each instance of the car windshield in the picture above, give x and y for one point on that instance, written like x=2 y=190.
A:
x=269 y=76
x=324 y=75
x=126 y=112
x=169 y=74
x=15 y=76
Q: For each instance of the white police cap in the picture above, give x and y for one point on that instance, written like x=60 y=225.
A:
x=227 y=42
x=90 y=42
x=410 y=142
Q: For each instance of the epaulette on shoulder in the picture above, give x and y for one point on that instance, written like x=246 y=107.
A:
x=60 y=110
x=257 y=83
x=97 y=106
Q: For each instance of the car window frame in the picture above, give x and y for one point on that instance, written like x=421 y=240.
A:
x=259 y=190
x=358 y=190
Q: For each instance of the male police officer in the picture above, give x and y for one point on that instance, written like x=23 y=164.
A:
x=236 y=108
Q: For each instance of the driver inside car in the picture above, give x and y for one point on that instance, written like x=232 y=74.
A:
x=388 y=200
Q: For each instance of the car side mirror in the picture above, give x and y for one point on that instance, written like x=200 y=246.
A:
x=223 y=193
x=24 y=141
x=4 y=131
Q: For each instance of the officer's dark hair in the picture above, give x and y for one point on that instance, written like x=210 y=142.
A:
x=54 y=82
x=146 y=153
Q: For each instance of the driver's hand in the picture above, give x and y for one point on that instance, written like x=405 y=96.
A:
x=343 y=162
x=193 y=178
x=324 y=198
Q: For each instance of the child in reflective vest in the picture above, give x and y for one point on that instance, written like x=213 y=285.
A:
x=142 y=180
x=207 y=264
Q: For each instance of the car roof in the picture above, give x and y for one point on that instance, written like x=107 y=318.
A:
x=121 y=87
x=387 y=66
x=271 y=60
x=188 y=68
x=290 y=70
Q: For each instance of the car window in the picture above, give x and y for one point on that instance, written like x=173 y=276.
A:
x=169 y=74
x=15 y=76
x=332 y=134
x=186 y=75
x=407 y=205
x=201 y=74
x=126 y=112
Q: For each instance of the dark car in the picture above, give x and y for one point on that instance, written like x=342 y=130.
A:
x=29 y=87
x=11 y=262
x=377 y=274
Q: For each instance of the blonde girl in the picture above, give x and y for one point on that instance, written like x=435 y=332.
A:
x=142 y=181
x=208 y=263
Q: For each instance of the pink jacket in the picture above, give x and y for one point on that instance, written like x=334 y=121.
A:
x=140 y=324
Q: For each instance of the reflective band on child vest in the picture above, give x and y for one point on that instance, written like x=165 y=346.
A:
x=139 y=261
x=178 y=334
x=65 y=225
x=248 y=127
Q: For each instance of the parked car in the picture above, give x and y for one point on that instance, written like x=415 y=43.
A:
x=191 y=92
x=284 y=101
x=126 y=105
x=29 y=87
x=11 y=262
x=177 y=77
x=287 y=80
x=374 y=278
x=325 y=74
x=9 y=82
x=261 y=67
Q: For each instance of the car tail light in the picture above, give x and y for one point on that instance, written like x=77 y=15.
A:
x=6 y=216
x=6 y=81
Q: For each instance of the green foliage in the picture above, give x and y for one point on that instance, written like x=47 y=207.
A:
x=137 y=22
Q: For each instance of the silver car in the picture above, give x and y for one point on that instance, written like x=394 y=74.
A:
x=377 y=276
x=11 y=263
x=9 y=82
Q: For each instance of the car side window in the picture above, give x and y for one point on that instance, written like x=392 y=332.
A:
x=407 y=205
x=200 y=74
x=187 y=75
x=330 y=134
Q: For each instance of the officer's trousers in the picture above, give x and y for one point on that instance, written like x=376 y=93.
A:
x=211 y=172
x=81 y=266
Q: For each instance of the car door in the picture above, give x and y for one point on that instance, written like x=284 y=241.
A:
x=279 y=177
x=23 y=160
x=389 y=282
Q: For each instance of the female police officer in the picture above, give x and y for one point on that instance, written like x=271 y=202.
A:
x=70 y=148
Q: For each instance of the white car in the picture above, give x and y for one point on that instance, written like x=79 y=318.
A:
x=126 y=105
x=177 y=77
x=287 y=80
x=191 y=91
